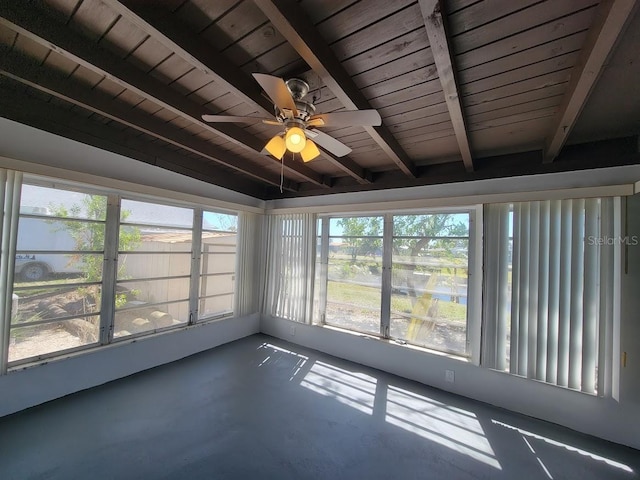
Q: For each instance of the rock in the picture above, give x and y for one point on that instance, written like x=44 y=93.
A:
x=161 y=319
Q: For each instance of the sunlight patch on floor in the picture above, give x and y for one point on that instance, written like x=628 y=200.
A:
x=448 y=426
x=570 y=448
x=354 y=389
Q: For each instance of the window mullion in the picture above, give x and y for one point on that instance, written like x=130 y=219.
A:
x=110 y=269
x=385 y=308
x=196 y=256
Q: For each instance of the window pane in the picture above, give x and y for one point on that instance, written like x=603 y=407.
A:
x=144 y=213
x=149 y=318
x=58 y=267
x=354 y=273
x=153 y=265
x=218 y=264
x=429 y=292
x=42 y=234
x=48 y=302
x=57 y=296
x=216 y=306
x=46 y=201
x=138 y=292
x=433 y=225
x=34 y=340
x=219 y=222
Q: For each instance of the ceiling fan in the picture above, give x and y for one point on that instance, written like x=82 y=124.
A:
x=300 y=122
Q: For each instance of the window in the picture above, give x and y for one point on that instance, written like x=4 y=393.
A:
x=218 y=264
x=401 y=276
x=549 y=281
x=154 y=267
x=58 y=272
x=91 y=267
x=430 y=280
x=354 y=273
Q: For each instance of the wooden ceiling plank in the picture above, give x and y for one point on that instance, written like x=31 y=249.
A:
x=191 y=48
x=28 y=19
x=537 y=83
x=610 y=20
x=551 y=91
x=435 y=24
x=291 y=22
x=561 y=62
x=377 y=34
x=548 y=32
x=20 y=69
x=388 y=51
x=519 y=21
x=531 y=56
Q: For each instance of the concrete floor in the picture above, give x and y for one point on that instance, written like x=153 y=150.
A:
x=261 y=408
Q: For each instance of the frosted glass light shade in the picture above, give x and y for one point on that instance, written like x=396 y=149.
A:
x=295 y=140
x=276 y=147
x=309 y=152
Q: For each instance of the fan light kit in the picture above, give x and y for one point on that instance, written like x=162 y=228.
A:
x=300 y=121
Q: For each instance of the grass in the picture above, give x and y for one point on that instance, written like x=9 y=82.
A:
x=368 y=298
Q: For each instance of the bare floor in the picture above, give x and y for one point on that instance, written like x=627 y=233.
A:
x=260 y=408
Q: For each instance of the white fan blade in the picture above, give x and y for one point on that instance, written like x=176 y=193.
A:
x=329 y=143
x=233 y=119
x=277 y=91
x=367 y=118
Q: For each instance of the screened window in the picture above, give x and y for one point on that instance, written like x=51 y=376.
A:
x=154 y=267
x=354 y=273
x=218 y=264
x=58 y=272
x=430 y=265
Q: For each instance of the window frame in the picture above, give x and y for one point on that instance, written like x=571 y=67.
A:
x=110 y=253
x=475 y=277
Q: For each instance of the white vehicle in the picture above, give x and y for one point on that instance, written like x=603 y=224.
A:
x=38 y=240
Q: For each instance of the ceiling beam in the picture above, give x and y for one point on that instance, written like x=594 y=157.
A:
x=47 y=117
x=21 y=69
x=609 y=22
x=164 y=29
x=288 y=17
x=434 y=22
x=29 y=19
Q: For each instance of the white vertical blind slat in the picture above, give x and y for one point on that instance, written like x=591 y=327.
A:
x=577 y=289
x=565 y=293
x=532 y=315
x=555 y=247
x=502 y=287
x=523 y=291
x=590 y=298
x=515 y=289
x=543 y=292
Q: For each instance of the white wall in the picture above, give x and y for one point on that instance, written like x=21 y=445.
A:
x=605 y=418
x=38 y=384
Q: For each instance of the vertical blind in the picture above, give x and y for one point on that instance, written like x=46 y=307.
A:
x=548 y=289
x=290 y=264
x=247 y=264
